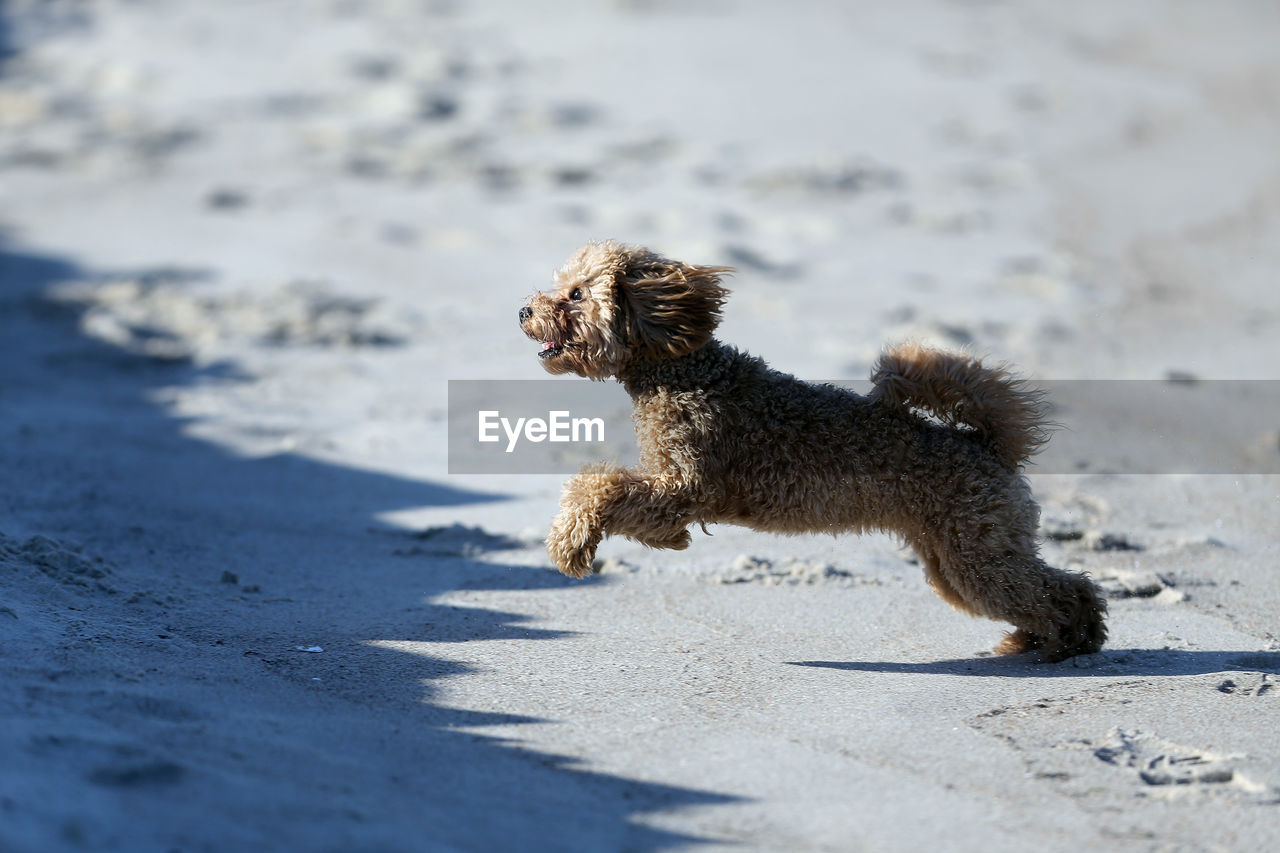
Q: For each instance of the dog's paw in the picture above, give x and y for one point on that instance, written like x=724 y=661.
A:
x=1018 y=641
x=574 y=562
x=571 y=544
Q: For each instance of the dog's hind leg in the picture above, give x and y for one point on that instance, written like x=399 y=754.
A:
x=1077 y=609
x=938 y=580
x=1061 y=613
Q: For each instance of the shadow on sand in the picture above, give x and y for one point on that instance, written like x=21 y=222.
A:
x=348 y=749
x=1107 y=663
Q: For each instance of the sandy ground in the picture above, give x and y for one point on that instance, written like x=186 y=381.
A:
x=244 y=245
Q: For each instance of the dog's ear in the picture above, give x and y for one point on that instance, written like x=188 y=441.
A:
x=668 y=308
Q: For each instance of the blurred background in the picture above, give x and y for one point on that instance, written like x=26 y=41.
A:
x=347 y=200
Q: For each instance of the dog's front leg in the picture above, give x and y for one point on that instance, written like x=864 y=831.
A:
x=577 y=529
x=608 y=500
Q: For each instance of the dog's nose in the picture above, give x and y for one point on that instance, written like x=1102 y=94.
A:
x=525 y=313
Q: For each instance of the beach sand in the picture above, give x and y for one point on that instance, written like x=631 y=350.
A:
x=243 y=247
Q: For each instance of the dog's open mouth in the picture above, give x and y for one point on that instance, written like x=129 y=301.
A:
x=550 y=349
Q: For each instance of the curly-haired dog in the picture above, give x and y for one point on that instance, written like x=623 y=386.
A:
x=724 y=438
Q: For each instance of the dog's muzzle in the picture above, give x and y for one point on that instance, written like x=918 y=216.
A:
x=551 y=348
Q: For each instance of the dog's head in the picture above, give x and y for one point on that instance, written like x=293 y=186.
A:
x=614 y=306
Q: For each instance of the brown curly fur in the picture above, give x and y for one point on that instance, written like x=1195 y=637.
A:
x=726 y=439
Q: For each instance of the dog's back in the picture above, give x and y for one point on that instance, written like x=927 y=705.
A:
x=775 y=453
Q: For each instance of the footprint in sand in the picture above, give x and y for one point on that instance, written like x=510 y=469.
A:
x=1257 y=684
x=1160 y=762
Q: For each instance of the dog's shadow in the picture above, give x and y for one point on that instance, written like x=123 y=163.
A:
x=1110 y=662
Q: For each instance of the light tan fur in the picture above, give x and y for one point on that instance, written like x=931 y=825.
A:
x=725 y=439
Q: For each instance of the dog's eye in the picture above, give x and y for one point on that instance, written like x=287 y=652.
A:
x=575 y=295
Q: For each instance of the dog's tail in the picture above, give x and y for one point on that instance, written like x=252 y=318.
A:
x=960 y=391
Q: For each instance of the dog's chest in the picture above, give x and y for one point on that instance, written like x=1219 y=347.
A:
x=672 y=421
